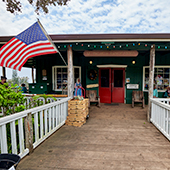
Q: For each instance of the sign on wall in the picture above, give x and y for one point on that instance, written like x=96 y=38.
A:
x=132 y=86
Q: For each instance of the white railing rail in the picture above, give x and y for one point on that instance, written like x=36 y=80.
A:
x=28 y=104
x=160 y=115
x=36 y=124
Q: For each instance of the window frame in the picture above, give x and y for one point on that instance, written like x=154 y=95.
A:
x=144 y=67
x=54 y=78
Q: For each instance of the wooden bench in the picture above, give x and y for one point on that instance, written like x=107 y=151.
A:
x=138 y=97
x=92 y=95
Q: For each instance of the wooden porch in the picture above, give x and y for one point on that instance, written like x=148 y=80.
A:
x=114 y=137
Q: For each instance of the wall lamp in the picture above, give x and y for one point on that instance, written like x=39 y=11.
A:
x=91 y=62
x=133 y=62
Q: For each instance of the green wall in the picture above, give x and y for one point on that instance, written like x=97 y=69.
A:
x=134 y=72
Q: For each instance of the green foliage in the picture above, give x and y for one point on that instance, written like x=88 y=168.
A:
x=11 y=100
x=15 y=6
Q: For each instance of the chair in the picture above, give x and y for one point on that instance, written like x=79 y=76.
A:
x=137 y=96
x=92 y=95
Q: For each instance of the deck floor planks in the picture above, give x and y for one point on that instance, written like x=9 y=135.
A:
x=115 y=137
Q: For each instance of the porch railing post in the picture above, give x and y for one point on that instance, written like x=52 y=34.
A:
x=29 y=132
x=70 y=71
x=151 y=80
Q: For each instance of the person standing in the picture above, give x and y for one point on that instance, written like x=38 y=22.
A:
x=155 y=92
x=77 y=88
x=23 y=88
x=3 y=80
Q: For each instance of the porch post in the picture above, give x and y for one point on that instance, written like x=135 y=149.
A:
x=32 y=74
x=151 y=79
x=70 y=71
x=3 y=71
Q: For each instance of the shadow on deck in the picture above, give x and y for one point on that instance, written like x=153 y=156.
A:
x=114 y=137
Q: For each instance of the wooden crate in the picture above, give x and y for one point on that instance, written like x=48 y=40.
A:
x=77 y=112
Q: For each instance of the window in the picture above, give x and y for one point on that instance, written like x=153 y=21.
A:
x=161 y=77
x=60 y=77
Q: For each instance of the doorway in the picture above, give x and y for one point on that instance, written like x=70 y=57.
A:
x=112 y=85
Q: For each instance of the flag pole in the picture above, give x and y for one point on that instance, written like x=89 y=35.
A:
x=49 y=38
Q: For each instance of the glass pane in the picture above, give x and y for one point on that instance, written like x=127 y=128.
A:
x=146 y=70
x=118 y=78
x=105 y=78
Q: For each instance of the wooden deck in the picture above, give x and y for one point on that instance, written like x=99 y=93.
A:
x=115 y=137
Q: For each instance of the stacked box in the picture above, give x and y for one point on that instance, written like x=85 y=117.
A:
x=77 y=112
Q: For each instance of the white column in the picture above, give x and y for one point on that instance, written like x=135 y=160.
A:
x=151 y=80
x=70 y=71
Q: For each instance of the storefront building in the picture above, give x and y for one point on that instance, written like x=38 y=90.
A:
x=112 y=64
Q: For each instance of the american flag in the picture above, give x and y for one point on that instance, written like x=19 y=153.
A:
x=30 y=43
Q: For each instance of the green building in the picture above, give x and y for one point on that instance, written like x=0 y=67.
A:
x=112 y=64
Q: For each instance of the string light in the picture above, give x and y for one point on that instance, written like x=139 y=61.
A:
x=127 y=45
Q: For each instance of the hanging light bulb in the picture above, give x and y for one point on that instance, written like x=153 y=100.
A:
x=58 y=46
x=88 y=45
x=101 y=46
x=166 y=47
x=146 y=45
x=120 y=46
x=127 y=45
x=114 y=46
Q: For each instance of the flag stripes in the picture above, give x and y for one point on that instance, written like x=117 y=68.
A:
x=16 y=53
x=30 y=43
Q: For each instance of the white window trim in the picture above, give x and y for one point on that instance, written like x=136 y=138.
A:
x=53 y=75
x=144 y=76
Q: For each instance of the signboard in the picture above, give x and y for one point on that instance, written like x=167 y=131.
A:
x=132 y=86
x=111 y=53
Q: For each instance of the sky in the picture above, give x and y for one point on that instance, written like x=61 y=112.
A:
x=89 y=16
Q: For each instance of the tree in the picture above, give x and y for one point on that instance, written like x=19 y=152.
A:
x=18 y=80
x=15 y=6
x=15 y=78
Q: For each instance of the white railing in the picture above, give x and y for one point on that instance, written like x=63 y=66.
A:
x=28 y=104
x=36 y=124
x=160 y=115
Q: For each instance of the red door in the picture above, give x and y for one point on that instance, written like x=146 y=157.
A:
x=105 y=85
x=112 y=85
x=118 y=85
